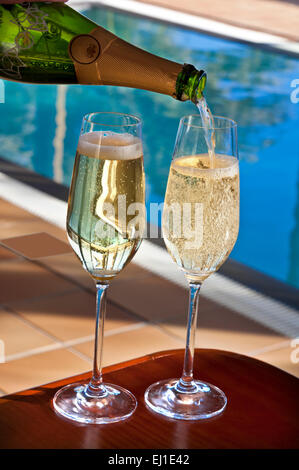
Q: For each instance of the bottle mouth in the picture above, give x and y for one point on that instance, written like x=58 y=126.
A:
x=202 y=83
x=190 y=84
x=197 y=83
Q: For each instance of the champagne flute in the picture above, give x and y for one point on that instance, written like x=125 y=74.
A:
x=105 y=224
x=200 y=226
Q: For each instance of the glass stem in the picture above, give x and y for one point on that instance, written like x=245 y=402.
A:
x=95 y=386
x=186 y=383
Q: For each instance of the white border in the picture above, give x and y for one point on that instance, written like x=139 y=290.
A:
x=220 y=289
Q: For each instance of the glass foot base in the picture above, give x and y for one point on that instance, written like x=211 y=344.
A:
x=204 y=402
x=115 y=404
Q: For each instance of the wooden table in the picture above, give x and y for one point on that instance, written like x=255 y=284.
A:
x=262 y=409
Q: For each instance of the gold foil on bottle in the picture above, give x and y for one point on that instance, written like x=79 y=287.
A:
x=122 y=64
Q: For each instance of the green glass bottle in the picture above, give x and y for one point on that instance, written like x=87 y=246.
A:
x=52 y=43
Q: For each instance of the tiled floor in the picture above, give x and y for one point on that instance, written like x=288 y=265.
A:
x=277 y=17
x=47 y=311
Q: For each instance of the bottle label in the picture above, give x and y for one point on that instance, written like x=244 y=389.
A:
x=29 y=18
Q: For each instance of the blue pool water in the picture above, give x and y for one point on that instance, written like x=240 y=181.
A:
x=40 y=126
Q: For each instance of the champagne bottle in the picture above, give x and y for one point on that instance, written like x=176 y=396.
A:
x=52 y=43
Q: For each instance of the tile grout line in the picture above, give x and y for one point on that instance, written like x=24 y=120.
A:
x=169 y=333
x=272 y=347
x=138 y=319
x=81 y=355
x=106 y=335
x=34 y=352
x=58 y=344
x=76 y=283
x=29 y=322
x=18 y=256
x=70 y=343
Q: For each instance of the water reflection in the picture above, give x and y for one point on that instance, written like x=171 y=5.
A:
x=42 y=124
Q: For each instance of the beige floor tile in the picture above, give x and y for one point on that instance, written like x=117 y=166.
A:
x=24 y=280
x=286 y=358
x=6 y=254
x=131 y=273
x=19 y=225
x=132 y=344
x=70 y=267
x=40 y=369
x=162 y=302
x=71 y=315
x=19 y=336
x=221 y=328
x=151 y=297
x=240 y=342
x=37 y=245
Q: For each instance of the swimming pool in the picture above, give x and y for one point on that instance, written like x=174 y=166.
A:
x=40 y=126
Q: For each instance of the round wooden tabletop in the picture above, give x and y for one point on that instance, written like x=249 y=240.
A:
x=262 y=409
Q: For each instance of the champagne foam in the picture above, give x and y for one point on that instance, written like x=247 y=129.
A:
x=110 y=146
x=225 y=166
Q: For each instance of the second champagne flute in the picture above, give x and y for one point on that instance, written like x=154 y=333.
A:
x=105 y=224
x=200 y=227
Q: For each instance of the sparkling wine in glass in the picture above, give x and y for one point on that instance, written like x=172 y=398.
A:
x=200 y=226
x=105 y=224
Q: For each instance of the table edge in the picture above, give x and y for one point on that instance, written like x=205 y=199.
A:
x=139 y=360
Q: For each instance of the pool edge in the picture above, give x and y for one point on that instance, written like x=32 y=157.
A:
x=234 y=270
